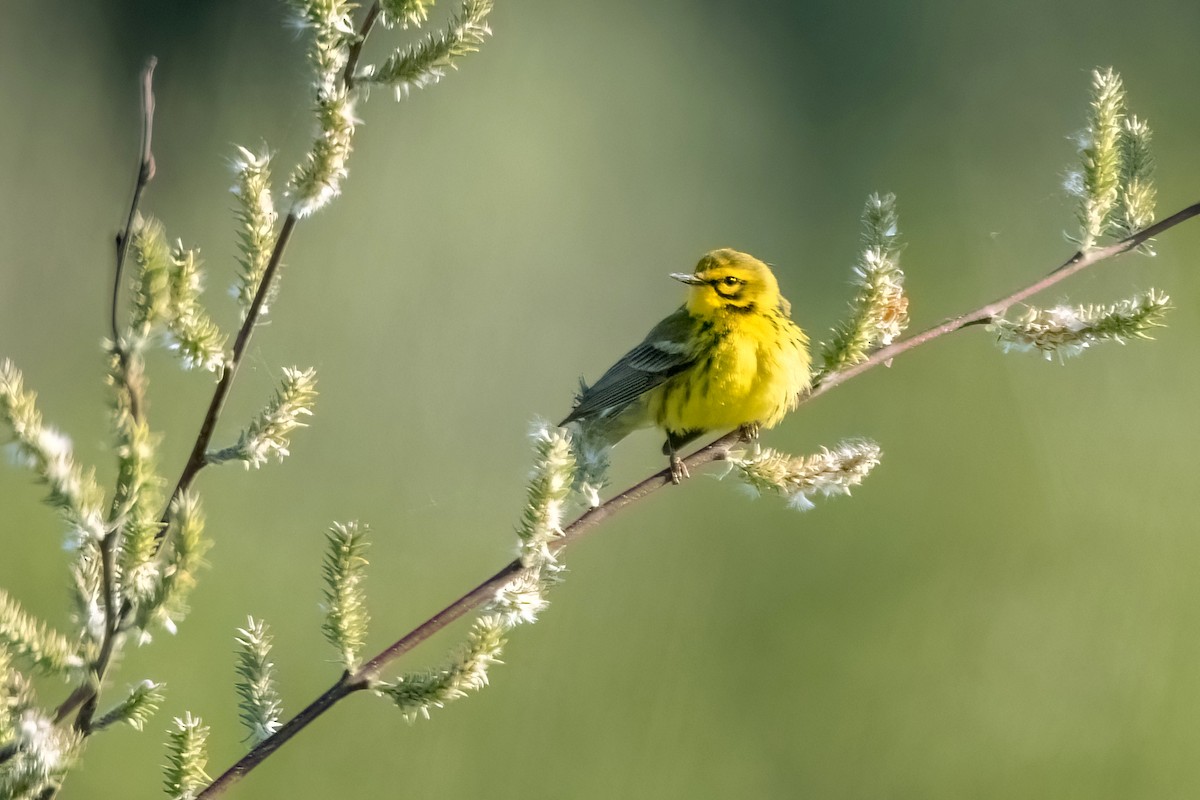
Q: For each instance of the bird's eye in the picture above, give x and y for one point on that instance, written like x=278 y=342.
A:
x=730 y=281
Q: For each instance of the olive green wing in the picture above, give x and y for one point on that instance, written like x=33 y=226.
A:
x=667 y=350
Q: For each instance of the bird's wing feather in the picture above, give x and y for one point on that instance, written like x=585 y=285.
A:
x=667 y=350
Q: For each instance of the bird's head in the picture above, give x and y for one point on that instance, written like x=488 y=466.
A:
x=726 y=280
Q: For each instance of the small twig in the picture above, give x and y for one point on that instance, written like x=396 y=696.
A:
x=198 y=458
x=199 y=455
x=83 y=721
x=73 y=701
x=716 y=450
x=268 y=746
x=987 y=313
x=145 y=174
x=86 y=695
x=362 y=678
x=355 y=52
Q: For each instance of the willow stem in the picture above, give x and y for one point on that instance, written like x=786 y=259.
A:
x=716 y=450
x=145 y=173
x=85 y=696
x=198 y=459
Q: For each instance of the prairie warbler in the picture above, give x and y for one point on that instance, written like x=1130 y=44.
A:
x=729 y=357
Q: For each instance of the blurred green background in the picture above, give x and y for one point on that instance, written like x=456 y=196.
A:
x=1007 y=608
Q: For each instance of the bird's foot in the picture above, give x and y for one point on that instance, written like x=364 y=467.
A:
x=750 y=431
x=679 y=470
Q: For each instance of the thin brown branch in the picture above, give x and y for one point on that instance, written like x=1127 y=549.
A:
x=268 y=746
x=145 y=174
x=85 y=696
x=1079 y=261
x=199 y=455
x=714 y=451
x=363 y=677
x=485 y=591
x=352 y=57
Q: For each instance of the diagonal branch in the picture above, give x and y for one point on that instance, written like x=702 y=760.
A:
x=362 y=678
x=198 y=458
x=364 y=30
x=984 y=314
x=85 y=697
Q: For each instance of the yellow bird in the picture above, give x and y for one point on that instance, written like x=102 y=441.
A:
x=729 y=357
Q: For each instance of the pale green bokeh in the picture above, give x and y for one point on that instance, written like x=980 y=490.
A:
x=1008 y=606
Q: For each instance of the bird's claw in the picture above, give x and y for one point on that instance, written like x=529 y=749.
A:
x=679 y=470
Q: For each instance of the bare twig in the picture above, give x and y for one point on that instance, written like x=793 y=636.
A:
x=86 y=695
x=268 y=746
x=199 y=455
x=364 y=30
x=198 y=458
x=985 y=314
x=717 y=450
x=145 y=174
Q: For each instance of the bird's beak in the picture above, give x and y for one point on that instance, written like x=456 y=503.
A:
x=688 y=278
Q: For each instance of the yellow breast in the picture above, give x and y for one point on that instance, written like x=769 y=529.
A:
x=752 y=371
